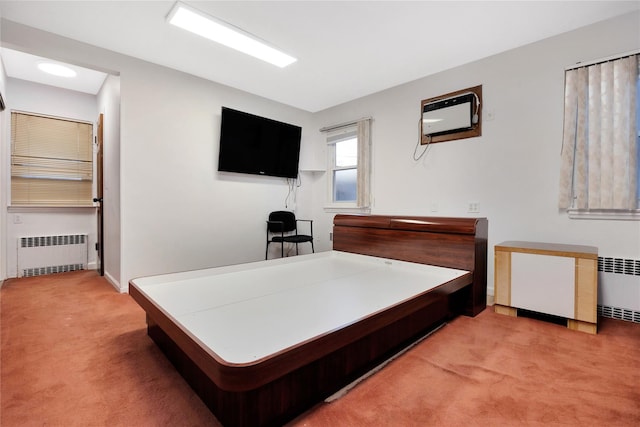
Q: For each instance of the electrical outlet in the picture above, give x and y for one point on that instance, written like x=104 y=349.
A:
x=330 y=237
x=489 y=115
x=17 y=219
x=474 y=207
x=434 y=207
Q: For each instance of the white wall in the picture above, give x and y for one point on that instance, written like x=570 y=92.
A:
x=109 y=106
x=512 y=170
x=23 y=222
x=4 y=174
x=177 y=211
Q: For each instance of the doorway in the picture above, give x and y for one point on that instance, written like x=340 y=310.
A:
x=101 y=226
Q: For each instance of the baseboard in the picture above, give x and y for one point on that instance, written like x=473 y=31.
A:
x=113 y=282
x=490 y=299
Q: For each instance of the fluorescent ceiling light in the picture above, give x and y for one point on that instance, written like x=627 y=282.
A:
x=211 y=28
x=56 y=69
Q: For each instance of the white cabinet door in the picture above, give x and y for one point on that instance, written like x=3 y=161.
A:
x=543 y=283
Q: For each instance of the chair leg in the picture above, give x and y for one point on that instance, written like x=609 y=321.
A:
x=296 y=249
x=266 y=253
x=282 y=249
x=312 y=251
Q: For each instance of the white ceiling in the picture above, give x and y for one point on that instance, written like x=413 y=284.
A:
x=345 y=49
x=24 y=66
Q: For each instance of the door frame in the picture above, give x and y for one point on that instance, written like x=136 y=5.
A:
x=99 y=194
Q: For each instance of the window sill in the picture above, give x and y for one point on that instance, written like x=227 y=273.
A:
x=606 y=214
x=58 y=209
x=346 y=208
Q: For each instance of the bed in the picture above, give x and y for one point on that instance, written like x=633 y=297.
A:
x=262 y=342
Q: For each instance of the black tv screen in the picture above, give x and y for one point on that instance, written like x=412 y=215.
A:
x=257 y=145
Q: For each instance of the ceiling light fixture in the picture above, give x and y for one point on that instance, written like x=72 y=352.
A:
x=207 y=26
x=56 y=69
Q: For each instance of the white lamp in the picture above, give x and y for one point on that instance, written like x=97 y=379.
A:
x=56 y=69
x=207 y=26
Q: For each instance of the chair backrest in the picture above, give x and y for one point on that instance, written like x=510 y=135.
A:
x=287 y=221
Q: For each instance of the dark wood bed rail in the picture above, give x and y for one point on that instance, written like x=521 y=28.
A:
x=447 y=242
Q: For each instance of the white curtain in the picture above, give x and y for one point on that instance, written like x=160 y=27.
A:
x=364 y=163
x=599 y=167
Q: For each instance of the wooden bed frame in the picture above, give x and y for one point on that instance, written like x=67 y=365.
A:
x=276 y=389
x=447 y=242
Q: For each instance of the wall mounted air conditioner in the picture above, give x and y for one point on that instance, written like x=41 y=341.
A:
x=448 y=115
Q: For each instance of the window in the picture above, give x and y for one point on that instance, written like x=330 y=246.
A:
x=349 y=165
x=600 y=148
x=51 y=161
x=345 y=169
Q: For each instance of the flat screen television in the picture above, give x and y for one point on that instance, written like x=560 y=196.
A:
x=256 y=145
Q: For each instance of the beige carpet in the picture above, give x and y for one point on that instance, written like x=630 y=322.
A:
x=75 y=353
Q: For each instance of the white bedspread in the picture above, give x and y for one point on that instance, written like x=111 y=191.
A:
x=247 y=312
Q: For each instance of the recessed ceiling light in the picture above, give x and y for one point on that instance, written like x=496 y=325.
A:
x=56 y=69
x=221 y=32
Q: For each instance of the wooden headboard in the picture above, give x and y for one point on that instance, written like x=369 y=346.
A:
x=447 y=242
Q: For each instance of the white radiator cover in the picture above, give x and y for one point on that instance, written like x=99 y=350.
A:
x=52 y=254
x=619 y=288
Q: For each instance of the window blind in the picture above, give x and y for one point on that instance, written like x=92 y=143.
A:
x=599 y=158
x=51 y=161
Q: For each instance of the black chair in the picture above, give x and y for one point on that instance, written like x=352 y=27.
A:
x=282 y=227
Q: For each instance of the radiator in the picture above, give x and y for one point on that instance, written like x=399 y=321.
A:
x=51 y=254
x=619 y=288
